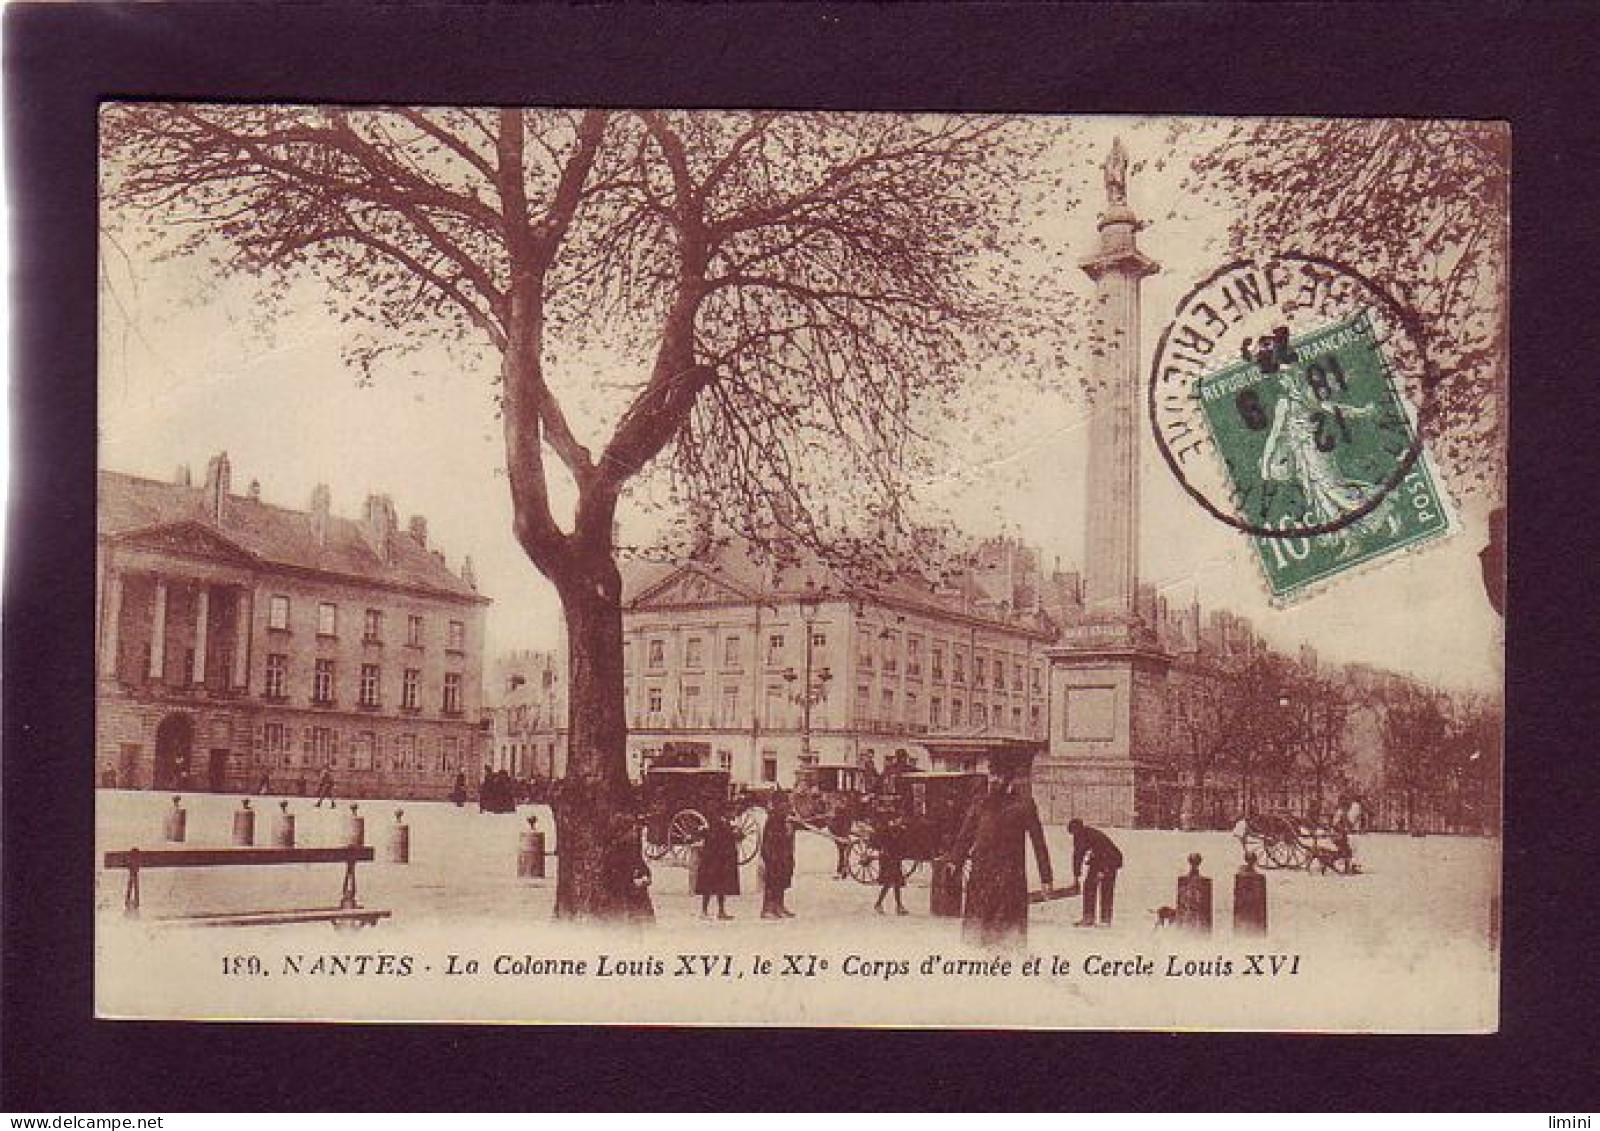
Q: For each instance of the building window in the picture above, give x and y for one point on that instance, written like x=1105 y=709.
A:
x=655 y=701
x=321 y=746
x=888 y=704
x=274 y=743
x=980 y=715
x=694 y=653
x=277 y=678
x=914 y=655
x=732 y=652
x=725 y=760
x=999 y=674
x=959 y=673
x=658 y=655
x=891 y=651
x=456 y=641
x=864 y=661
x=405 y=752
x=1016 y=720
x=450 y=755
x=452 y=693
x=627 y=655
x=769 y=766
x=369 y=685
x=327 y=619
x=1033 y=714
x=774 y=706
x=372 y=627
x=362 y=751
x=278 y=613
x=410 y=682
x=414 y=631
x=863 y=702
x=938 y=663
x=1016 y=676
x=819 y=642
x=730 y=705
x=955 y=712
x=322 y=682
x=936 y=711
x=1038 y=680
x=911 y=707
x=775 y=650
x=691 y=705
x=978 y=668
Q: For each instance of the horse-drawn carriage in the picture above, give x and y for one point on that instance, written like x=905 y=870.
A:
x=819 y=790
x=679 y=802
x=1285 y=840
x=930 y=807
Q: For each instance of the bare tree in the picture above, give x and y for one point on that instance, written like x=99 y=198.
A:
x=1423 y=207
x=1415 y=725
x=1200 y=722
x=1259 y=723
x=1323 y=709
x=798 y=289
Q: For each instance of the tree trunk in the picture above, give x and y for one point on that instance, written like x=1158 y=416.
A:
x=596 y=795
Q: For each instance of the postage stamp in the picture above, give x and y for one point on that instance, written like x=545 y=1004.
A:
x=1318 y=444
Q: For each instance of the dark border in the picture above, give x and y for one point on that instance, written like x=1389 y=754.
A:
x=1533 y=65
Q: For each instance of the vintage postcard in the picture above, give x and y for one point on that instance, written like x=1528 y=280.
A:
x=798 y=568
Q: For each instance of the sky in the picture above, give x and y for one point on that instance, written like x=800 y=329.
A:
x=187 y=370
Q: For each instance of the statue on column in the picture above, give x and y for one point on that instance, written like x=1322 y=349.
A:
x=1116 y=174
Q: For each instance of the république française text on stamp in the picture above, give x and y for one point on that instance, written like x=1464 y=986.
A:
x=1319 y=448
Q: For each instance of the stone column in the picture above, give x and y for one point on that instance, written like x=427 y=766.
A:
x=241 y=637
x=158 y=632
x=1111 y=568
x=202 y=617
x=110 y=632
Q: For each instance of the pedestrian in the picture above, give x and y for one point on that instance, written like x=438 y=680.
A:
x=264 y=784
x=624 y=874
x=890 y=841
x=325 y=789
x=718 y=874
x=777 y=859
x=841 y=823
x=1346 y=820
x=1093 y=848
x=995 y=835
x=458 y=791
x=869 y=775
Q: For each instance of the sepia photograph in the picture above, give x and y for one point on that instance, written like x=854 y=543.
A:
x=797 y=567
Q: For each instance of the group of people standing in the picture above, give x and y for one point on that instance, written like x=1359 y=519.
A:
x=717 y=873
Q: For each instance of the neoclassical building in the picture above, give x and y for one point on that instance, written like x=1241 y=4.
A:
x=239 y=641
x=762 y=667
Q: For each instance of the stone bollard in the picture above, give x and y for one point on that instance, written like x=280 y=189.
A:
x=175 y=824
x=1194 y=899
x=945 y=895
x=355 y=828
x=530 y=852
x=283 y=827
x=399 y=850
x=1249 y=899
x=244 y=825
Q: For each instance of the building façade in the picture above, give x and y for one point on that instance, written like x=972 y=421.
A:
x=242 y=645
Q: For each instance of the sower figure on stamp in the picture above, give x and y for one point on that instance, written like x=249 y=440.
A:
x=718 y=874
x=995 y=835
x=1091 y=846
x=777 y=859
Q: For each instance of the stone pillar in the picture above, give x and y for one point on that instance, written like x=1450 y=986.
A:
x=241 y=637
x=110 y=633
x=158 y=632
x=202 y=617
x=1111 y=568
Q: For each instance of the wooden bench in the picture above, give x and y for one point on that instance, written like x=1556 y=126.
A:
x=349 y=913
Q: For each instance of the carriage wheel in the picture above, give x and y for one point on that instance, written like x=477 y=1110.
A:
x=747 y=831
x=862 y=862
x=687 y=827
x=1254 y=840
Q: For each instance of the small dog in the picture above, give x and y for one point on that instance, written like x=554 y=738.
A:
x=1166 y=917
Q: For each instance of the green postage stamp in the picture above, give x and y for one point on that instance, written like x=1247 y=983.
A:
x=1314 y=435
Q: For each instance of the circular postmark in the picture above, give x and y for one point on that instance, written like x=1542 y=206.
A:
x=1280 y=399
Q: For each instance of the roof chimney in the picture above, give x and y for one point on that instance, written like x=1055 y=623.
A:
x=467 y=573
x=419 y=530
x=219 y=482
x=378 y=525
x=255 y=490
x=182 y=477
x=321 y=504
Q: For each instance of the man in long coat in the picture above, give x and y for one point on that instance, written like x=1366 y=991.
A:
x=777 y=859
x=994 y=835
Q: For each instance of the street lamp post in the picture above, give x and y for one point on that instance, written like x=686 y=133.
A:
x=814 y=687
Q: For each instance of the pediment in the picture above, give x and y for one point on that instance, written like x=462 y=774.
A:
x=691 y=585
x=186 y=539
